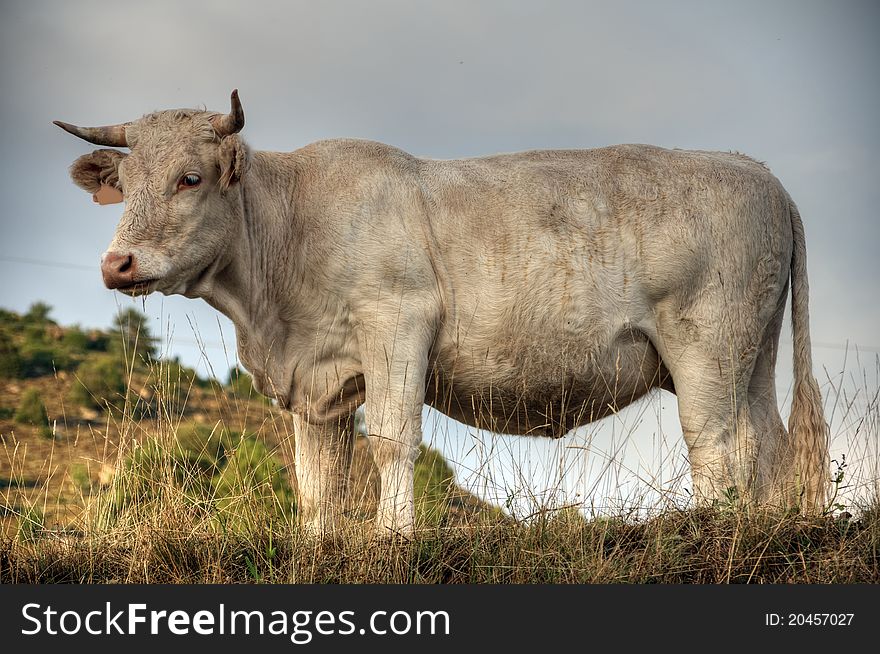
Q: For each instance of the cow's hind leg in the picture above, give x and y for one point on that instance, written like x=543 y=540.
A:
x=712 y=385
x=323 y=463
x=775 y=465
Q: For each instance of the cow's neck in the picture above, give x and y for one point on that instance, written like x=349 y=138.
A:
x=256 y=283
x=271 y=284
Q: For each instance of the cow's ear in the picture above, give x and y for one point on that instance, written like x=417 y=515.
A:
x=99 y=168
x=232 y=160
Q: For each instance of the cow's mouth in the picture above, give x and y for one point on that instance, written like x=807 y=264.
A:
x=142 y=287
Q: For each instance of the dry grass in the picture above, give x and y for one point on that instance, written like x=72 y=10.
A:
x=677 y=547
x=146 y=492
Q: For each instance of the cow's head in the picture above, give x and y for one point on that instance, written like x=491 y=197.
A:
x=178 y=183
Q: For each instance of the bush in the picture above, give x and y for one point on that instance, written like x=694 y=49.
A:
x=205 y=446
x=241 y=385
x=212 y=472
x=152 y=474
x=131 y=337
x=100 y=380
x=10 y=360
x=32 y=411
x=252 y=481
x=33 y=345
x=75 y=340
x=38 y=359
x=433 y=486
x=31 y=524
x=42 y=349
x=38 y=314
x=79 y=475
x=170 y=377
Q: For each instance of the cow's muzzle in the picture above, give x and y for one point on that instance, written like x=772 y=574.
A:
x=120 y=272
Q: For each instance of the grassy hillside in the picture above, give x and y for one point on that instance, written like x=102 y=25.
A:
x=119 y=466
x=97 y=431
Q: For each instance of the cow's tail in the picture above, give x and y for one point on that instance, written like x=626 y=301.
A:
x=806 y=424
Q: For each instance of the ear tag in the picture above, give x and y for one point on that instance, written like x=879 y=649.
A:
x=108 y=195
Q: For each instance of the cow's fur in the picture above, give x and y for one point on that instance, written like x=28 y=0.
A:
x=528 y=293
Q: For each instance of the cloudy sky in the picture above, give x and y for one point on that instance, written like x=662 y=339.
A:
x=791 y=83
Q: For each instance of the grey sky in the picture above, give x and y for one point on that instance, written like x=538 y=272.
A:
x=794 y=84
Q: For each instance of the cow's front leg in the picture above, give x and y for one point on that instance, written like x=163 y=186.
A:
x=323 y=464
x=395 y=458
x=395 y=365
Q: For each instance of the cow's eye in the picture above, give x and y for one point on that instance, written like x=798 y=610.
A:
x=190 y=180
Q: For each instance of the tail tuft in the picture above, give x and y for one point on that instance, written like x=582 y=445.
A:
x=806 y=424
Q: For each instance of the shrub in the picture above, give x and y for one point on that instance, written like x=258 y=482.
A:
x=170 y=377
x=154 y=473
x=131 y=337
x=38 y=357
x=38 y=313
x=32 y=411
x=98 y=341
x=76 y=341
x=241 y=385
x=42 y=353
x=252 y=482
x=33 y=345
x=210 y=471
x=205 y=446
x=10 y=360
x=79 y=475
x=31 y=524
x=433 y=485
x=100 y=381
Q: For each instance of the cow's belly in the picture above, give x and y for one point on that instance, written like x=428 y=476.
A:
x=546 y=390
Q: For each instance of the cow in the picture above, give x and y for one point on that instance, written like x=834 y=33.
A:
x=526 y=293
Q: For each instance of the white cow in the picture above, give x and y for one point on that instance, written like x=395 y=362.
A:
x=525 y=293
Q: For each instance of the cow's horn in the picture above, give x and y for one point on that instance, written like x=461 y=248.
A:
x=113 y=135
x=232 y=122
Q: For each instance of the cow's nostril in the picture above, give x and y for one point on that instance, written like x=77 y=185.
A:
x=126 y=264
